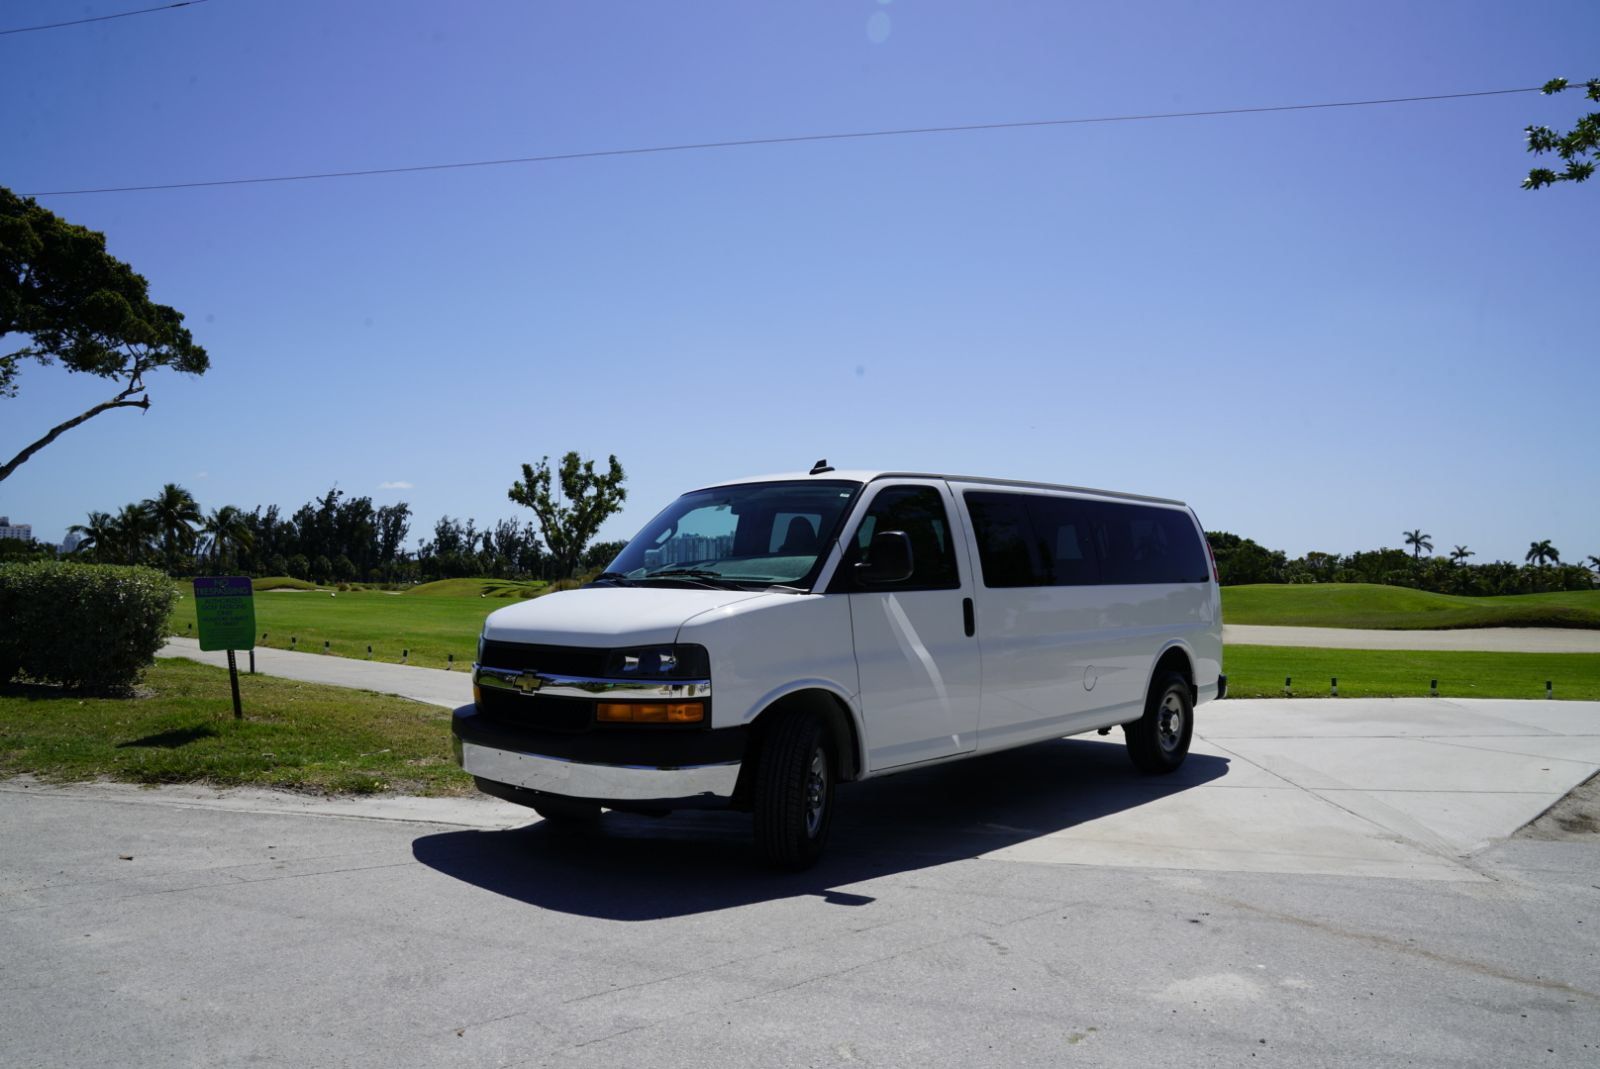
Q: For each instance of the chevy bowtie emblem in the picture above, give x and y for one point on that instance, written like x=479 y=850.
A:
x=528 y=682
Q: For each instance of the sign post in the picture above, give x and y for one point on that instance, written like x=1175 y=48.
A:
x=225 y=610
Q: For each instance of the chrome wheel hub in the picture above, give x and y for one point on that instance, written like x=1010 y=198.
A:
x=816 y=791
x=1169 y=723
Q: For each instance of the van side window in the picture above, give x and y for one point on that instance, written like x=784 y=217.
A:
x=1142 y=544
x=1007 y=548
x=1065 y=530
x=919 y=512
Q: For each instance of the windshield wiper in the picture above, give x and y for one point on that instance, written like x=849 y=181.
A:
x=619 y=578
x=714 y=580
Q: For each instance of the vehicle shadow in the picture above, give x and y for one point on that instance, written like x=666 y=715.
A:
x=642 y=868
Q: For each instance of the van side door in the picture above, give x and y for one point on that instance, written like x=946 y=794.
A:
x=919 y=668
x=1041 y=616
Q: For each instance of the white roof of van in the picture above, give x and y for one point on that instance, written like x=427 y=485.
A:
x=866 y=475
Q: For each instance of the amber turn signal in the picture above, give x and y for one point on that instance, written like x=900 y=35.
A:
x=650 y=712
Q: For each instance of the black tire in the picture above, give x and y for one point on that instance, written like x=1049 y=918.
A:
x=793 y=796
x=568 y=812
x=1159 y=740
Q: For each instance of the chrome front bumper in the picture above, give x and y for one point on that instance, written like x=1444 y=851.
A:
x=601 y=783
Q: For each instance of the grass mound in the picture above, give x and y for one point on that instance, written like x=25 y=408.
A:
x=474 y=588
x=181 y=730
x=280 y=582
x=1401 y=608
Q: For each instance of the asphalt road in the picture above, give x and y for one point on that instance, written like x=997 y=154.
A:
x=1312 y=889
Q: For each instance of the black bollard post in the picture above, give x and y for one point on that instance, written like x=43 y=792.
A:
x=1288 y=691
x=1335 y=686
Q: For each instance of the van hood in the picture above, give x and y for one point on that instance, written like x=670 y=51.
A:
x=607 y=616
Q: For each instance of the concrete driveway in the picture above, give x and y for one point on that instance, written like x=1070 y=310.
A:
x=1324 y=883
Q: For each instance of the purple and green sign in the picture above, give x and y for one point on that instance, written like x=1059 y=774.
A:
x=225 y=612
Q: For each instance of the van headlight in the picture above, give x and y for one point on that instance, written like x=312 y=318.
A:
x=659 y=662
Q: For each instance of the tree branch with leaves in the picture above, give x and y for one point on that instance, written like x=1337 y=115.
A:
x=82 y=307
x=1574 y=147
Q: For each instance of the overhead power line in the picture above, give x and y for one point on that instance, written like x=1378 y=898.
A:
x=101 y=18
x=790 y=140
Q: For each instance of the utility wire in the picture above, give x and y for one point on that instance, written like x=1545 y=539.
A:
x=792 y=140
x=101 y=18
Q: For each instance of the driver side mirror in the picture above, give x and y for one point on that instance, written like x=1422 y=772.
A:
x=888 y=559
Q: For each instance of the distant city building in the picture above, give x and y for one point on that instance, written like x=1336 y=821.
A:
x=70 y=543
x=685 y=549
x=8 y=529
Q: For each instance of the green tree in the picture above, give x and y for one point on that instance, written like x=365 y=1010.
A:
x=1418 y=542
x=1460 y=554
x=1594 y=562
x=1542 y=553
x=174 y=514
x=226 y=532
x=132 y=532
x=1574 y=147
x=81 y=306
x=95 y=538
x=570 y=503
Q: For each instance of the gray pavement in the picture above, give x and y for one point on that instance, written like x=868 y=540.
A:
x=1324 y=883
x=1489 y=639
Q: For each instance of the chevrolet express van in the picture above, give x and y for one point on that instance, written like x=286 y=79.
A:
x=761 y=641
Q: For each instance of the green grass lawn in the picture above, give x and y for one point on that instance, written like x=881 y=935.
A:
x=1258 y=672
x=180 y=729
x=1400 y=608
x=432 y=627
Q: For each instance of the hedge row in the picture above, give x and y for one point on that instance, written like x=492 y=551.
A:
x=93 y=626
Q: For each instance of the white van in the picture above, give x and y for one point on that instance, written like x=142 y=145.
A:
x=760 y=641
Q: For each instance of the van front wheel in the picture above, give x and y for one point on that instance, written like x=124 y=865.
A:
x=794 y=791
x=1159 y=740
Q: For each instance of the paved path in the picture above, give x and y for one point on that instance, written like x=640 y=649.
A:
x=1311 y=889
x=432 y=685
x=1492 y=639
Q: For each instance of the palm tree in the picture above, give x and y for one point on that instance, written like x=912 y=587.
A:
x=174 y=513
x=1539 y=554
x=1542 y=553
x=1461 y=553
x=96 y=538
x=1594 y=562
x=130 y=534
x=1418 y=542
x=226 y=532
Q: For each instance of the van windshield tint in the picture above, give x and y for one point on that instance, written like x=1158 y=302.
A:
x=753 y=534
x=1043 y=540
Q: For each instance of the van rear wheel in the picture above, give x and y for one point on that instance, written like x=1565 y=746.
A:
x=793 y=797
x=1159 y=740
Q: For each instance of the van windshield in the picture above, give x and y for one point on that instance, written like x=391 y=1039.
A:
x=749 y=536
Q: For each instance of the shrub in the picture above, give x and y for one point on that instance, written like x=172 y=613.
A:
x=94 y=626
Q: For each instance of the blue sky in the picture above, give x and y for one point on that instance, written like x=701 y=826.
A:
x=1320 y=328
